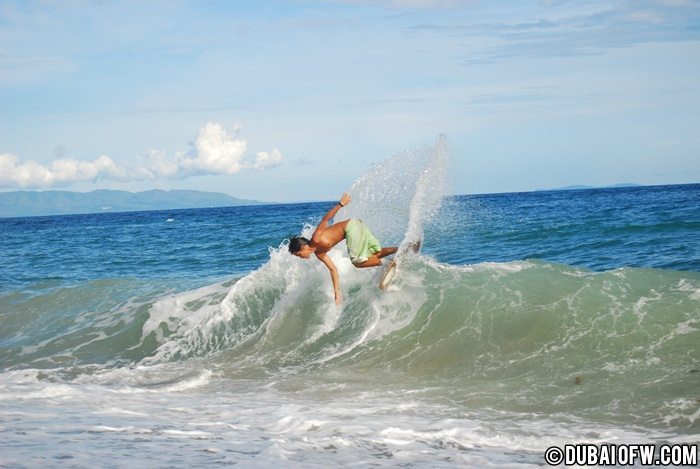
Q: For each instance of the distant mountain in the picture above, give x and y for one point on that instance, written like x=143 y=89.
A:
x=33 y=203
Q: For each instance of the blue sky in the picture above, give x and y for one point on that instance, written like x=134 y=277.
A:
x=291 y=101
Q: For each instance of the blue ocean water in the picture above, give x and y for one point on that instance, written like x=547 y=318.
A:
x=191 y=337
x=596 y=229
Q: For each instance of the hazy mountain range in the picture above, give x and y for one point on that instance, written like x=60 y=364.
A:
x=33 y=203
x=36 y=203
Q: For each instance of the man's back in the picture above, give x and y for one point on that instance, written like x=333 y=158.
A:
x=324 y=238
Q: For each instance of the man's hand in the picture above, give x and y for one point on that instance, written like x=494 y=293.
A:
x=345 y=199
x=323 y=257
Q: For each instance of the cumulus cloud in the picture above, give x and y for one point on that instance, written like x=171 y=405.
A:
x=214 y=151
x=265 y=160
x=61 y=172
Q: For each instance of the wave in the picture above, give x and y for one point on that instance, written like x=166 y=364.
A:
x=525 y=336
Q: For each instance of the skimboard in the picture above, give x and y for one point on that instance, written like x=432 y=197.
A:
x=389 y=276
x=393 y=268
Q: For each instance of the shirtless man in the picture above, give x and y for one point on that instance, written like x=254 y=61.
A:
x=363 y=247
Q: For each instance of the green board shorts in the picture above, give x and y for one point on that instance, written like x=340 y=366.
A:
x=360 y=241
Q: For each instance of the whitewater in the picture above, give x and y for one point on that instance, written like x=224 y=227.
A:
x=188 y=338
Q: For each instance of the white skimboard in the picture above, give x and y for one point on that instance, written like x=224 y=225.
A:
x=392 y=269
x=389 y=276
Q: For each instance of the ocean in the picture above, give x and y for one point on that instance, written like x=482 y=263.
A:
x=192 y=338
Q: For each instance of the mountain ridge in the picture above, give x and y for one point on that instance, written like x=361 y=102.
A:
x=58 y=202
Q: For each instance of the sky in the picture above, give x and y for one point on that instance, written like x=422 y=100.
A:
x=294 y=100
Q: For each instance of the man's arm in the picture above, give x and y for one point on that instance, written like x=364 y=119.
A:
x=334 y=275
x=344 y=200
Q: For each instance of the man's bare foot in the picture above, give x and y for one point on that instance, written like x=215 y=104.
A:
x=415 y=245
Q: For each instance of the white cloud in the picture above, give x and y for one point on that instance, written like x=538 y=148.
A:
x=61 y=172
x=214 y=151
x=157 y=164
x=265 y=160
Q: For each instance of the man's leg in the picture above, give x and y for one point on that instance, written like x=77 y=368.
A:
x=375 y=259
x=372 y=261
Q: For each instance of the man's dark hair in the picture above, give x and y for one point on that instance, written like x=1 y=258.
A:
x=296 y=243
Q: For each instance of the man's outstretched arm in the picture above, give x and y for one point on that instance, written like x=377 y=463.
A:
x=344 y=200
x=334 y=275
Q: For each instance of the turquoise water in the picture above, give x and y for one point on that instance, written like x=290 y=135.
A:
x=528 y=320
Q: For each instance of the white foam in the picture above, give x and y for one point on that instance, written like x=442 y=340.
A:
x=684 y=410
x=172 y=310
x=107 y=429
x=684 y=285
x=487 y=267
x=201 y=322
x=188 y=433
x=685 y=327
x=120 y=411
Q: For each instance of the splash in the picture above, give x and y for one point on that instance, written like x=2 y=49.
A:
x=285 y=309
x=397 y=197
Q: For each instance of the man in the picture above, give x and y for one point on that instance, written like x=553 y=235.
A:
x=363 y=247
